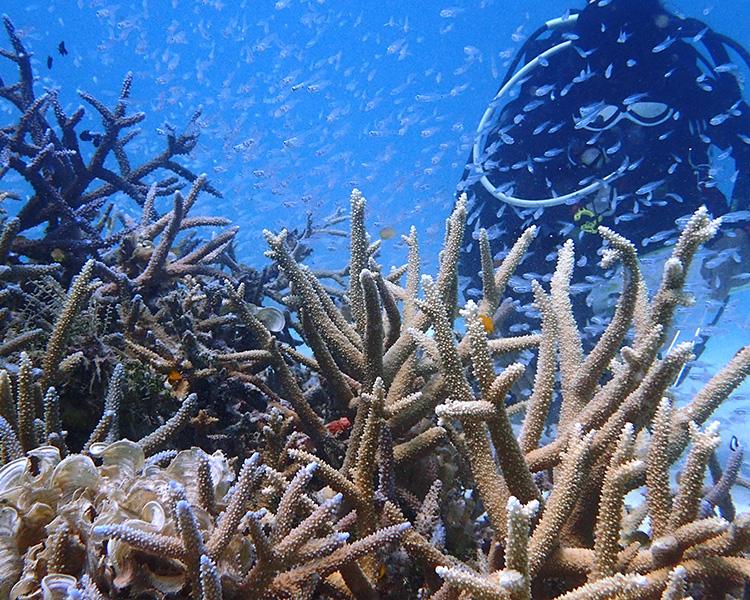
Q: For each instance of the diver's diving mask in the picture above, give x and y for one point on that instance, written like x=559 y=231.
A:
x=645 y=114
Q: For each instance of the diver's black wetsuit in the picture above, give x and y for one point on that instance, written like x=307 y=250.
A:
x=629 y=102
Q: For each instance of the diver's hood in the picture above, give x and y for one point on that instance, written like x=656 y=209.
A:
x=612 y=100
x=645 y=23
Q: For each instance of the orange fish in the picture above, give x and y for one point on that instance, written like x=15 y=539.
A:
x=174 y=377
x=339 y=425
x=489 y=324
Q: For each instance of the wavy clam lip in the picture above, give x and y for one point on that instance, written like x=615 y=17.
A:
x=154 y=513
x=11 y=474
x=17 y=471
x=10 y=558
x=76 y=472
x=57 y=586
x=123 y=454
x=272 y=318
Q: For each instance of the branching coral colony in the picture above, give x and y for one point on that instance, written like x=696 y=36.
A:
x=436 y=492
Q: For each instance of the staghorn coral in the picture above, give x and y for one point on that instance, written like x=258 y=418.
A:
x=592 y=462
x=315 y=516
x=68 y=190
x=155 y=301
x=609 y=397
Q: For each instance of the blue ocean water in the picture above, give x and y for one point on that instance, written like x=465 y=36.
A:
x=301 y=101
x=304 y=100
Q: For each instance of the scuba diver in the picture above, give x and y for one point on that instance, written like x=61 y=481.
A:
x=621 y=114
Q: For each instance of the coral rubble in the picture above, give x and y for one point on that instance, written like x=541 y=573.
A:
x=396 y=459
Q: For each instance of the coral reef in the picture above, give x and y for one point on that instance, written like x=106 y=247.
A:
x=69 y=192
x=371 y=445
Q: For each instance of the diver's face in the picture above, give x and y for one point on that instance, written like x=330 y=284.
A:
x=592 y=157
x=625 y=152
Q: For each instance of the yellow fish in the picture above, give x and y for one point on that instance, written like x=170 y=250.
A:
x=489 y=324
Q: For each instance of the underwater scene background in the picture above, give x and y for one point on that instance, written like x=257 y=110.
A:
x=302 y=101
x=295 y=104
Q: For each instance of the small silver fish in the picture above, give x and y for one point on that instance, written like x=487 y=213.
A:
x=521 y=164
x=614 y=148
x=734 y=217
x=699 y=36
x=664 y=45
x=724 y=155
x=633 y=98
x=448 y=13
x=584 y=75
x=544 y=90
x=726 y=68
x=649 y=187
x=718 y=119
x=627 y=217
x=589 y=114
x=676 y=197
x=532 y=105
x=584 y=53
